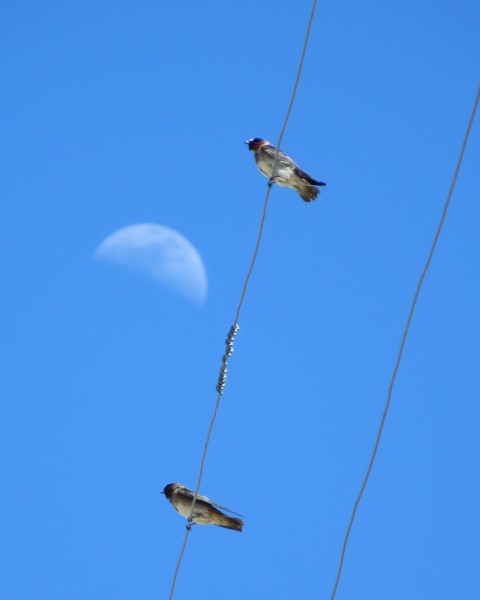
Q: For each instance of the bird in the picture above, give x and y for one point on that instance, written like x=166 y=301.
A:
x=287 y=172
x=205 y=512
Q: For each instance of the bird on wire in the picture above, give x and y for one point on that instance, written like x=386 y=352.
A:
x=205 y=512
x=287 y=172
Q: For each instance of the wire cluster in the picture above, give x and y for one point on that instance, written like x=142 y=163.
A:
x=222 y=377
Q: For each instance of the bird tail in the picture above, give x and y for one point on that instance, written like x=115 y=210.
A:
x=230 y=523
x=306 y=191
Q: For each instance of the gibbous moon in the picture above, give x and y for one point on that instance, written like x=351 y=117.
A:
x=162 y=254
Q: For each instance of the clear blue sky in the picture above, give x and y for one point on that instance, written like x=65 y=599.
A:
x=117 y=113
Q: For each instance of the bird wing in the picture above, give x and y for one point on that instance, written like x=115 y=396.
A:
x=225 y=508
x=191 y=494
x=308 y=178
x=282 y=158
x=271 y=151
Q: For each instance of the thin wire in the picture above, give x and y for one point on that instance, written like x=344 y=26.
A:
x=234 y=328
x=220 y=385
x=403 y=340
x=280 y=137
x=299 y=71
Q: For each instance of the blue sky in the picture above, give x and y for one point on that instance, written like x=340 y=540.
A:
x=122 y=113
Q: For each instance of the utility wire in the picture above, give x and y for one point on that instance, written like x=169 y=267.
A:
x=234 y=328
x=403 y=340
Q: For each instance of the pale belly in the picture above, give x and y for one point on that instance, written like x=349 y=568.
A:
x=282 y=173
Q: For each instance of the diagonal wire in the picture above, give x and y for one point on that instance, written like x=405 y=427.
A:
x=280 y=137
x=297 y=79
x=234 y=328
x=403 y=340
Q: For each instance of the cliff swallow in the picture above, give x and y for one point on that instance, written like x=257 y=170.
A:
x=287 y=173
x=205 y=512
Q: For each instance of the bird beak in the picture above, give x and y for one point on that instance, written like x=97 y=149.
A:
x=246 y=142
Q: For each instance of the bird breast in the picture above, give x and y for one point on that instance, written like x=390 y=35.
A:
x=283 y=170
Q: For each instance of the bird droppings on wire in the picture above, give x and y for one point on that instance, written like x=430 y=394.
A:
x=222 y=378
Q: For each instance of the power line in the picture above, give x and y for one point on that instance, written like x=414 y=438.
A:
x=234 y=328
x=403 y=340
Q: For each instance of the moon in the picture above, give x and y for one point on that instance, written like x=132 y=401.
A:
x=161 y=254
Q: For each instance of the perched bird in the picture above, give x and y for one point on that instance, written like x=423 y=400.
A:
x=287 y=173
x=205 y=512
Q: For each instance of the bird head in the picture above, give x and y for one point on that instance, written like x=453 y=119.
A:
x=169 y=489
x=255 y=143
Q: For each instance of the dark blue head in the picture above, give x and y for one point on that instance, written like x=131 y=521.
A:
x=255 y=143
